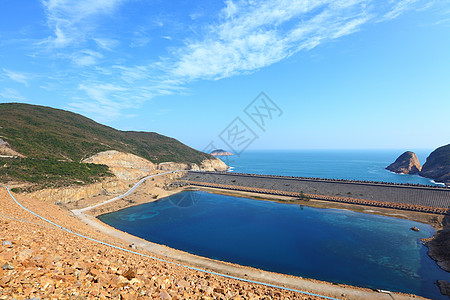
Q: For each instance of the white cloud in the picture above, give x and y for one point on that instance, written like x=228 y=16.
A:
x=70 y=20
x=86 y=57
x=19 y=77
x=106 y=43
x=247 y=35
x=399 y=8
x=251 y=35
x=8 y=94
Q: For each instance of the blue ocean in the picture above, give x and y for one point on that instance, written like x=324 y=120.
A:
x=337 y=164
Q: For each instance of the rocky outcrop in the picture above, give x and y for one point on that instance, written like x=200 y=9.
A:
x=131 y=167
x=75 y=193
x=5 y=149
x=407 y=163
x=213 y=165
x=124 y=165
x=221 y=152
x=437 y=166
x=439 y=245
x=206 y=165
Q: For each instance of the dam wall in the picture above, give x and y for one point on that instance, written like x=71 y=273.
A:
x=434 y=197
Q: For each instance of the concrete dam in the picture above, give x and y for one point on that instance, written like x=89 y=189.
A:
x=401 y=196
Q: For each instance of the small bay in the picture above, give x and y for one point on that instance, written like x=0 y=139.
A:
x=326 y=244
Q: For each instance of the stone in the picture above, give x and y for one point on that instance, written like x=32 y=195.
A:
x=164 y=296
x=7 y=244
x=46 y=282
x=7 y=267
x=219 y=291
x=24 y=254
x=444 y=287
x=122 y=281
x=415 y=229
x=130 y=274
x=94 y=272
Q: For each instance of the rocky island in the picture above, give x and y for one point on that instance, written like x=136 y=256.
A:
x=407 y=163
x=437 y=166
x=221 y=152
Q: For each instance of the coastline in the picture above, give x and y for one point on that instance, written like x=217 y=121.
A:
x=137 y=198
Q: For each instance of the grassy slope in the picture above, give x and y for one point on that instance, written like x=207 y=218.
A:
x=43 y=132
x=43 y=173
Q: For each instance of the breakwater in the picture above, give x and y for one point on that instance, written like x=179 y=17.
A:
x=406 y=197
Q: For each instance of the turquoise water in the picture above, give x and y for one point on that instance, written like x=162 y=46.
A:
x=339 y=164
x=327 y=244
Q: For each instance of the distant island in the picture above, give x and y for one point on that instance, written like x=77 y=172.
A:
x=437 y=166
x=221 y=152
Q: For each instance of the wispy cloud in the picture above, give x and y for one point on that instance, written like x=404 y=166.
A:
x=251 y=36
x=106 y=43
x=246 y=36
x=71 y=21
x=86 y=57
x=16 y=76
x=8 y=94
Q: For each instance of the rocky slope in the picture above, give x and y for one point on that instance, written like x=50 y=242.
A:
x=407 y=163
x=39 y=260
x=125 y=166
x=437 y=166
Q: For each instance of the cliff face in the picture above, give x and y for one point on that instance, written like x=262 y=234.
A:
x=75 y=193
x=407 y=163
x=206 y=165
x=124 y=165
x=437 y=166
x=127 y=168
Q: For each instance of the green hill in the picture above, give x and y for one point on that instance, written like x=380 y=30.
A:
x=44 y=132
x=55 y=142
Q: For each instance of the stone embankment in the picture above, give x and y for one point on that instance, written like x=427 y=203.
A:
x=399 y=196
x=40 y=261
x=401 y=206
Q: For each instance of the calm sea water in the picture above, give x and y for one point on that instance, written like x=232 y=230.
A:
x=327 y=244
x=339 y=164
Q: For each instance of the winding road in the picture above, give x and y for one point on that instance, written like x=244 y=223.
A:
x=78 y=212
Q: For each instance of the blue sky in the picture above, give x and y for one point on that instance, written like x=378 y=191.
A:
x=344 y=74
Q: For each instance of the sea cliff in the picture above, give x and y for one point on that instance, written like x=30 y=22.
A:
x=437 y=166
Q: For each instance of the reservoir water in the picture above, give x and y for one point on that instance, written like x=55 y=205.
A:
x=326 y=244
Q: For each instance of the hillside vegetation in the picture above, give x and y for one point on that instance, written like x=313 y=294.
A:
x=43 y=173
x=55 y=142
x=44 y=132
